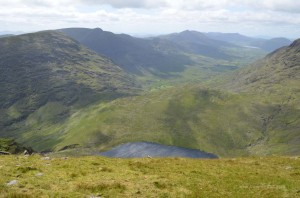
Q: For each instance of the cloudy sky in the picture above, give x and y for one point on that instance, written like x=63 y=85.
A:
x=250 y=17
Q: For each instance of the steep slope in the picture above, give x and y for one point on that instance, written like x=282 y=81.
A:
x=193 y=117
x=132 y=54
x=261 y=118
x=47 y=74
x=274 y=82
x=279 y=70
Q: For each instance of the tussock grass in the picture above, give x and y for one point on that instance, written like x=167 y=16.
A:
x=157 y=177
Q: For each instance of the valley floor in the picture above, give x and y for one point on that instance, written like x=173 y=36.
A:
x=37 y=176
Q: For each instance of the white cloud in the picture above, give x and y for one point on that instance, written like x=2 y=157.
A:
x=127 y=3
x=246 y=16
x=273 y=5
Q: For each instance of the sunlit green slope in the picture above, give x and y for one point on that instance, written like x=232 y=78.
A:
x=240 y=116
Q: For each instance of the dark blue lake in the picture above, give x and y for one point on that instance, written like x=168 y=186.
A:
x=147 y=149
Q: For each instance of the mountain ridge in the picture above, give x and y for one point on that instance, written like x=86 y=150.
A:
x=45 y=75
x=199 y=43
x=133 y=54
x=163 y=56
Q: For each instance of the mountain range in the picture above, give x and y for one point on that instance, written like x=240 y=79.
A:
x=84 y=88
x=268 y=45
x=132 y=54
x=162 y=55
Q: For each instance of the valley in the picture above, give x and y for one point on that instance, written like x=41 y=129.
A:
x=60 y=93
x=185 y=57
x=140 y=98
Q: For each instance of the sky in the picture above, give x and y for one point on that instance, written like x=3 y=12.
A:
x=274 y=18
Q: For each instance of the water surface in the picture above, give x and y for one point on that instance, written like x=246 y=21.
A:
x=148 y=149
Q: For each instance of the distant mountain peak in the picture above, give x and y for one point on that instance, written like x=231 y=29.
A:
x=98 y=29
x=191 y=32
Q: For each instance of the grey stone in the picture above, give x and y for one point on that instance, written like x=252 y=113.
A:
x=39 y=174
x=12 y=183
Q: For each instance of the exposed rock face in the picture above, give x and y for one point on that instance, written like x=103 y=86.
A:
x=4 y=153
x=9 y=146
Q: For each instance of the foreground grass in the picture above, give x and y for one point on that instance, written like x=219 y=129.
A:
x=174 y=177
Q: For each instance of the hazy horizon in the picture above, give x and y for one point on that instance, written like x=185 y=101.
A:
x=146 y=35
x=270 y=18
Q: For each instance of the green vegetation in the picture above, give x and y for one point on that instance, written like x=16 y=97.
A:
x=168 y=177
x=10 y=146
x=203 y=69
x=278 y=73
x=221 y=123
x=46 y=75
x=57 y=95
x=217 y=122
x=79 y=100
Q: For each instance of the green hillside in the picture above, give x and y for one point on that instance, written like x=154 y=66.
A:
x=213 y=121
x=190 y=117
x=49 y=75
x=278 y=72
x=238 y=117
x=254 y=111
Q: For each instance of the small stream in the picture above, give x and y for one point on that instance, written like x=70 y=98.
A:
x=147 y=149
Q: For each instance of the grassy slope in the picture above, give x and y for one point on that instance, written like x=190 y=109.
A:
x=226 y=124
x=275 y=79
x=222 y=123
x=277 y=72
x=174 y=177
x=263 y=119
x=47 y=75
x=188 y=116
x=44 y=114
